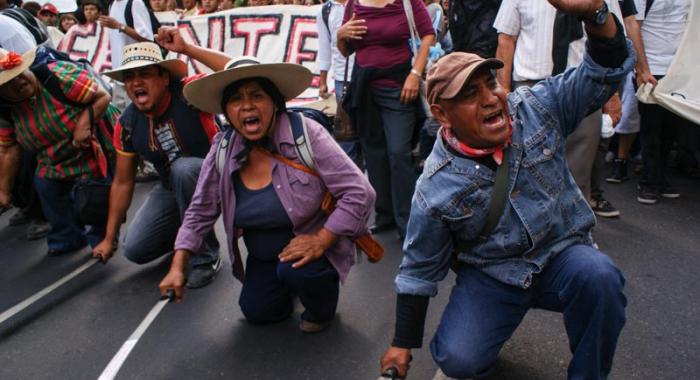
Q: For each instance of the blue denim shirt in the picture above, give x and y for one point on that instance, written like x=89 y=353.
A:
x=545 y=211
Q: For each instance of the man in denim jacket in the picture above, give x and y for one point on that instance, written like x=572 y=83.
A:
x=540 y=253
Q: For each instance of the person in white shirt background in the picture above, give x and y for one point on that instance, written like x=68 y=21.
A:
x=121 y=34
x=329 y=59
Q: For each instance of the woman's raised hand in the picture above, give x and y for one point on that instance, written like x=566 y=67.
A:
x=353 y=29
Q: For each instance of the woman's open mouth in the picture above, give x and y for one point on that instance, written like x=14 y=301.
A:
x=251 y=124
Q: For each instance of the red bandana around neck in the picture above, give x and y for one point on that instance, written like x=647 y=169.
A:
x=496 y=152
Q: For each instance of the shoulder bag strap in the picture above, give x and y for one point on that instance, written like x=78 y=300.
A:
x=408 y=9
x=499 y=194
x=222 y=149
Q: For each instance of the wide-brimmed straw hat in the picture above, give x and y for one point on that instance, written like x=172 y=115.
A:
x=13 y=64
x=142 y=54
x=205 y=93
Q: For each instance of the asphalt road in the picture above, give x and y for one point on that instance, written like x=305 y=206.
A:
x=75 y=331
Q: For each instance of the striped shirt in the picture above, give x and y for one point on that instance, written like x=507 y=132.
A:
x=44 y=125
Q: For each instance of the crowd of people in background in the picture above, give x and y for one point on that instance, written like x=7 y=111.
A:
x=46 y=139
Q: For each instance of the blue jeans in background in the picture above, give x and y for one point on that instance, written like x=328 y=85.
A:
x=483 y=313
x=389 y=159
x=57 y=203
x=153 y=229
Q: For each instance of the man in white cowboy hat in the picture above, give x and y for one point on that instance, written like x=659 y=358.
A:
x=161 y=127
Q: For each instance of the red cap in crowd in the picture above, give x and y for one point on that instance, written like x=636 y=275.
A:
x=49 y=8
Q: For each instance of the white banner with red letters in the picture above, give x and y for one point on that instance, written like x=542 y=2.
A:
x=278 y=33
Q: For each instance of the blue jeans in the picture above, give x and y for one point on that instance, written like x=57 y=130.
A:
x=270 y=287
x=389 y=159
x=483 y=313
x=65 y=233
x=152 y=232
x=352 y=148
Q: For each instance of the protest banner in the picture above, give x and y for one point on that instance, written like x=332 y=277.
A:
x=279 y=33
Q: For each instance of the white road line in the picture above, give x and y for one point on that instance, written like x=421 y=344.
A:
x=9 y=313
x=116 y=363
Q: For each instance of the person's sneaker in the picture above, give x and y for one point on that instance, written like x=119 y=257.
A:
x=38 y=229
x=619 y=172
x=146 y=172
x=19 y=218
x=602 y=207
x=313 y=327
x=670 y=192
x=203 y=274
x=647 y=196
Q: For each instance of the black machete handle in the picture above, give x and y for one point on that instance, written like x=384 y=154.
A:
x=169 y=295
x=391 y=373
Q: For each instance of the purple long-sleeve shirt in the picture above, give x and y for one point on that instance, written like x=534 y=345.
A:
x=300 y=194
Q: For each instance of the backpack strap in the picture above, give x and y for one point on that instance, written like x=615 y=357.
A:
x=52 y=84
x=222 y=149
x=302 y=144
x=35 y=27
x=647 y=7
x=299 y=134
x=499 y=194
x=326 y=14
x=128 y=16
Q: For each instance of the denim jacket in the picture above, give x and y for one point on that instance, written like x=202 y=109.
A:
x=545 y=211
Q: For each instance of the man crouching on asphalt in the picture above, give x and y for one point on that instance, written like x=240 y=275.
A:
x=538 y=252
x=160 y=126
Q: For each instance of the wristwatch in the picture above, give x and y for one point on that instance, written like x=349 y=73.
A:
x=122 y=28
x=599 y=17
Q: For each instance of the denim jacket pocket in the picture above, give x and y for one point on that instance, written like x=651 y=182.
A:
x=542 y=162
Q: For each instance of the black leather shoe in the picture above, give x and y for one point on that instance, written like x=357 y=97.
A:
x=379 y=228
x=203 y=275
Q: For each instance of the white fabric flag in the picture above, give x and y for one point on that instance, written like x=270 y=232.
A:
x=679 y=90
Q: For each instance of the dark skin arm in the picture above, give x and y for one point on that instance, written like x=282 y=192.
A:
x=9 y=161
x=505 y=52
x=120 y=195
x=170 y=38
x=634 y=34
x=83 y=130
x=398 y=357
x=111 y=23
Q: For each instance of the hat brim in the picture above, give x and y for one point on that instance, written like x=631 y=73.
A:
x=27 y=60
x=205 y=93
x=463 y=77
x=175 y=67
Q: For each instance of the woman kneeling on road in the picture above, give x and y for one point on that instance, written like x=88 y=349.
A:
x=294 y=249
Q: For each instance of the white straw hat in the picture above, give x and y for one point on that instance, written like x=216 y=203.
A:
x=205 y=93
x=142 y=54
x=13 y=64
